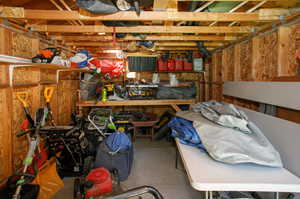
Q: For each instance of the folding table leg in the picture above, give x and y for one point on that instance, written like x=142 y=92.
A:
x=206 y=195
x=276 y=195
x=210 y=195
x=176 y=159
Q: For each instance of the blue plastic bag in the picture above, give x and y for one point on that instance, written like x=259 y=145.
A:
x=184 y=130
x=118 y=141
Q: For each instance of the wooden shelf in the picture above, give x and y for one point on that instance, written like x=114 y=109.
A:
x=43 y=66
x=135 y=103
x=182 y=71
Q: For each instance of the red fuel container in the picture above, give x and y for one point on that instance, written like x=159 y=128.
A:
x=102 y=183
x=171 y=64
x=188 y=66
x=179 y=64
x=162 y=65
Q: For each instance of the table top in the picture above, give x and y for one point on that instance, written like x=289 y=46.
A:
x=206 y=174
x=136 y=102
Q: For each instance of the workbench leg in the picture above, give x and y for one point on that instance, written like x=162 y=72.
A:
x=176 y=108
x=276 y=195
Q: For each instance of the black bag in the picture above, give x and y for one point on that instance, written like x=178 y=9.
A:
x=176 y=92
x=120 y=161
x=98 y=6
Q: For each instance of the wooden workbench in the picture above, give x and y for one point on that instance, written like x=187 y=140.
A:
x=173 y=103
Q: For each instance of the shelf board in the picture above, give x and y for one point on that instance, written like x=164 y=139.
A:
x=136 y=103
x=44 y=66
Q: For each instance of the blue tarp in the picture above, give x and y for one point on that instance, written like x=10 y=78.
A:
x=184 y=130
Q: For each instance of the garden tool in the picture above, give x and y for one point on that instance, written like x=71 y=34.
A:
x=48 y=93
x=23 y=98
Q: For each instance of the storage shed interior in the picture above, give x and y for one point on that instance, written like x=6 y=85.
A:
x=238 y=42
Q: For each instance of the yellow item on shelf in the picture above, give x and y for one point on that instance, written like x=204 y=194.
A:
x=104 y=95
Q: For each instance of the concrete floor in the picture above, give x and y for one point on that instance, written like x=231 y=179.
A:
x=154 y=165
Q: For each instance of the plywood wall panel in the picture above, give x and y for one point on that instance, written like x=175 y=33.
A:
x=217 y=67
x=246 y=61
x=287 y=63
x=66 y=98
x=22 y=46
x=26 y=76
x=47 y=76
x=20 y=145
x=5 y=133
x=228 y=64
x=265 y=57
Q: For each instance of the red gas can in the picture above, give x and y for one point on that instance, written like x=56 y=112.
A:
x=162 y=65
x=102 y=183
x=178 y=64
x=188 y=66
x=171 y=64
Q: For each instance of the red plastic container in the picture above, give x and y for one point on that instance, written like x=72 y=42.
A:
x=162 y=65
x=179 y=64
x=187 y=66
x=171 y=64
x=102 y=183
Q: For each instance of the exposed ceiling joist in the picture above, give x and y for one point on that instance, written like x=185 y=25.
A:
x=20 y=13
x=198 y=10
x=188 y=44
x=170 y=44
x=149 y=37
x=232 y=10
x=251 y=10
x=140 y=29
x=179 y=48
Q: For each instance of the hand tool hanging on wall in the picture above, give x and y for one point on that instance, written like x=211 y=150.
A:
x=23 y=98
x=48 y=93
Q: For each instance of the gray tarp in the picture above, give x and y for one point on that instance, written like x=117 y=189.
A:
x=233 y=146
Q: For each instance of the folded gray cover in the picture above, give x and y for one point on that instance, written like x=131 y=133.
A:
x=233 y=146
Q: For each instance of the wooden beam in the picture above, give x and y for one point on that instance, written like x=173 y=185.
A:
x=198 y=10
x=140 y=29
x=151 y=38
x=170 y=44
x=232 y=10
x=252 y=10
x=187 y=44
x=178 y=48
x=131 y=16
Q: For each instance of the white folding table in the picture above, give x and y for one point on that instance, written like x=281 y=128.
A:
x=206 y=174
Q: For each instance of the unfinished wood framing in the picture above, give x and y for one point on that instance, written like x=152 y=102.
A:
x=131 y=16
x=140 y=29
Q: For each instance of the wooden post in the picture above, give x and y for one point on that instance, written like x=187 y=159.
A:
x=5 y=41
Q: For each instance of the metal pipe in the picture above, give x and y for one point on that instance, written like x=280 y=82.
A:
x=137 y=192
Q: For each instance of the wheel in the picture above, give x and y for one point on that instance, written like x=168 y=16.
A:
x=88 y=165
x=77 y=189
